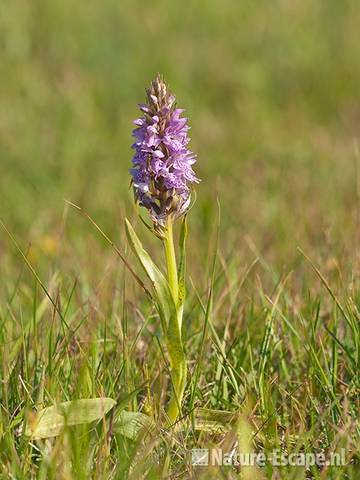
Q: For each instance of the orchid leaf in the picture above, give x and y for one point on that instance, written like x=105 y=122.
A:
x=214 y=421
x=177 y=364
x=164 y=300
x=51 y=421
x=132 y=424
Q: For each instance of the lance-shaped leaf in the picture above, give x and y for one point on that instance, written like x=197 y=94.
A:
x=214 y=421
x=132 y=424
x=165 y=302
x=50 y=421
x=178 y=366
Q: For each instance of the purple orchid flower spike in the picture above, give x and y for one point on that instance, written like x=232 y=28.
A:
x=162 y=171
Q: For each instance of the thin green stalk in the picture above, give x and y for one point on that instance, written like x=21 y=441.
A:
x=171 y=262
x=175 y=346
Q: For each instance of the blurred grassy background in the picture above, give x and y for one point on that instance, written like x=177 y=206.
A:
x=271 y=89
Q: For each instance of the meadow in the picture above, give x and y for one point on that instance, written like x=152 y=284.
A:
x=272 y=318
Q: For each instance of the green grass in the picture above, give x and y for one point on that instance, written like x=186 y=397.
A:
x=271 y=323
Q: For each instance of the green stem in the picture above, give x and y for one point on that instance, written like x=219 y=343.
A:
x=171 y=262
x=176 y=352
